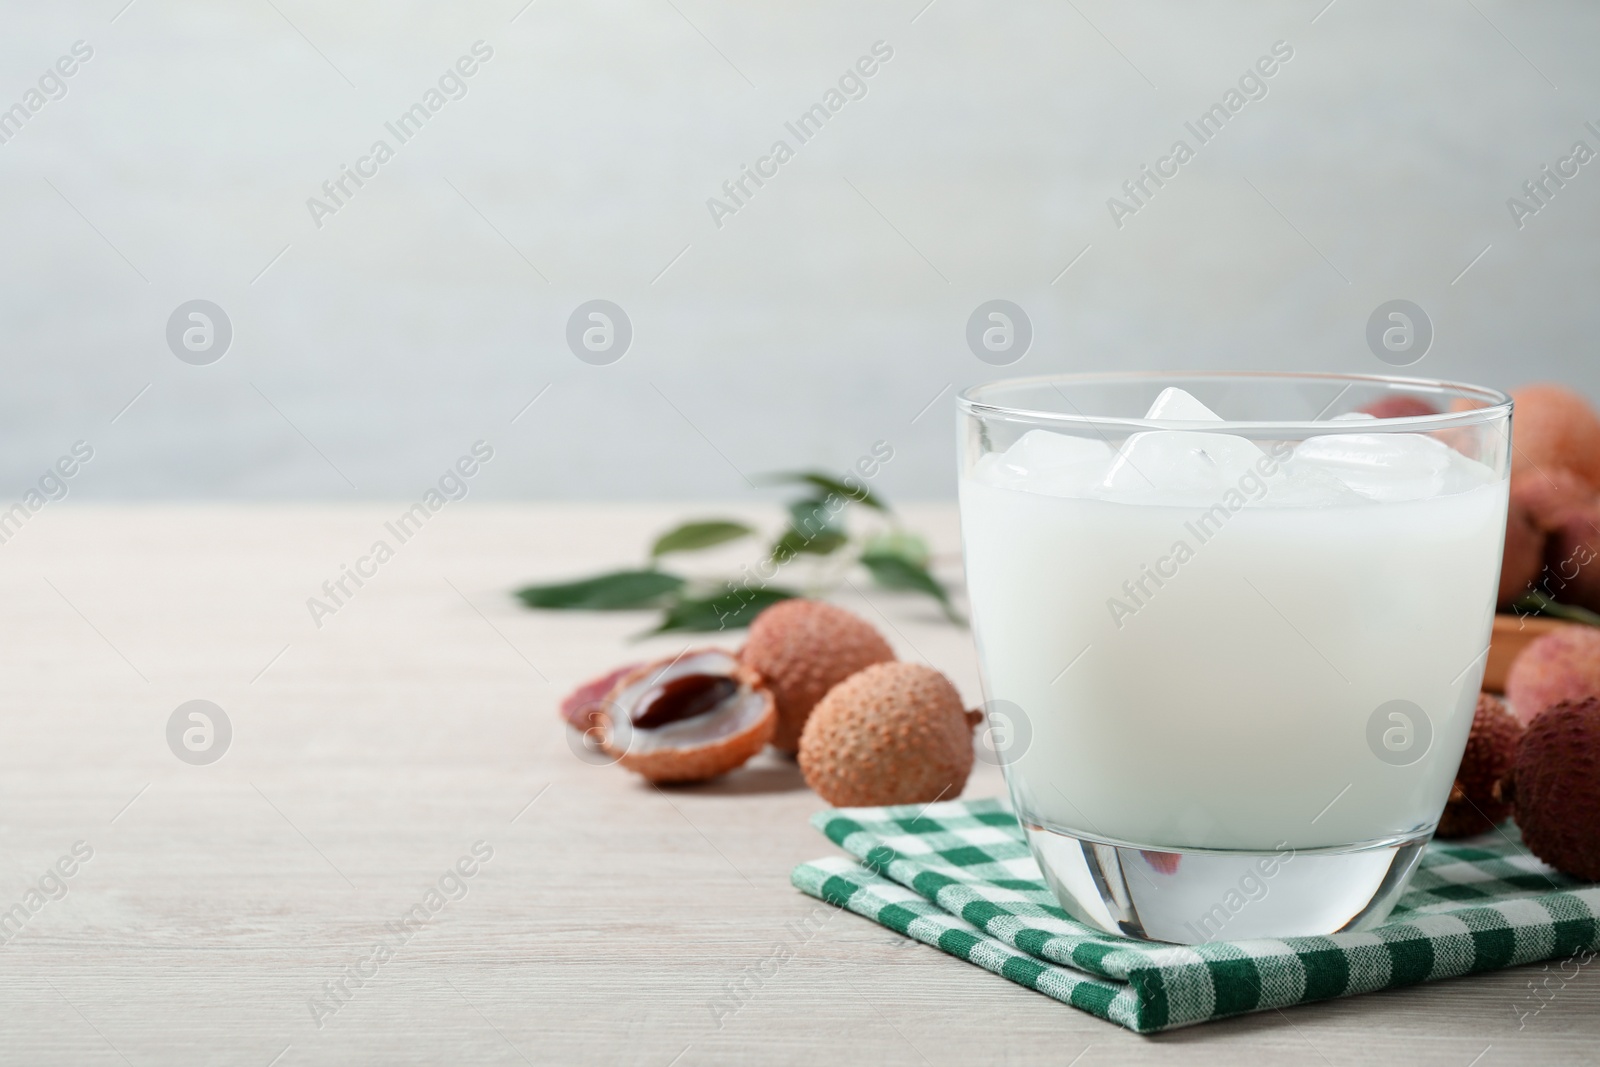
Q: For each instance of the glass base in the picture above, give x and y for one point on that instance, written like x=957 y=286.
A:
x=1193 y=896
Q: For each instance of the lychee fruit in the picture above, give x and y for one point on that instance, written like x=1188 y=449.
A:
x=1475 y=801
x=1549 y=494
x=1522 y=560
x=579 y=706
x=894 y=733
x=803 y=648
x=1572 y=559
x=695 y=716
x=1555 y=787
x=1563 y=664
x=1399 y=406
x=1552 y=426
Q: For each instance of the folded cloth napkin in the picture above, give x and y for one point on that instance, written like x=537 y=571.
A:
x=959 y=876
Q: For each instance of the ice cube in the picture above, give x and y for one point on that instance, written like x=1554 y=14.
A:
x=1305 y=485
x=1466 y=473
x=1181 y=463
x=1041 y=450
x=1387 y=467
x=1176 y=405
x=1055 y=464
x=1180 y=466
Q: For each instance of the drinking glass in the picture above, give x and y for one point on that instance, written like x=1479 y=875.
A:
x=1232 y=629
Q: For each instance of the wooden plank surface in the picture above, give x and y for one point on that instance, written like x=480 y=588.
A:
x=367 y=758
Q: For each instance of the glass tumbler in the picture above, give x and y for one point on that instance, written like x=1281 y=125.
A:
x=1234 y=626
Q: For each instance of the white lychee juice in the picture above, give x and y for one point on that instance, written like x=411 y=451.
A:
x=1238 y=672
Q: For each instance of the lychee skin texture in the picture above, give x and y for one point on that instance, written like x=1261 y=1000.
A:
x=1561 y=665
x=1475 y=803
x=803 y=648
x=1399 y=407
x=1523 y=558
x=1554 y=427
x=894 y=733
x=1556 y=787
x=580 y=706
x=1572 y=559
x=1550 y=494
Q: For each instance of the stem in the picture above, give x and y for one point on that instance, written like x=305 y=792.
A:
x=1544 y=605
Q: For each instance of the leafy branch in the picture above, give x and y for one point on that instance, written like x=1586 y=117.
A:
x=817 y=529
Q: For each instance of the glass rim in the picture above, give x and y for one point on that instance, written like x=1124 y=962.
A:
x=1497 y=405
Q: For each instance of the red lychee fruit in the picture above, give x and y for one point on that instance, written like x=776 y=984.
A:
x=1475 y=802
x=1563 y=664
x=1552 y=426
x=1555 y=788
x=1522 y=560
x=803 y=648
x=1549 y=494
x=1399 y=407
x=894 y=733
x=1572 y=559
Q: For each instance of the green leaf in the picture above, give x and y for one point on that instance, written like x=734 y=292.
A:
x=1539 y=603
x=828 y=484
x=897 y=572
x=792 y=543
x=812 y=530
x=616 y=591
x=813 y=516
x=693 y=536
x=902 y=543
x=732 y=610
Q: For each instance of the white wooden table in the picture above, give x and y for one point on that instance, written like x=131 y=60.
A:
x=370 y=755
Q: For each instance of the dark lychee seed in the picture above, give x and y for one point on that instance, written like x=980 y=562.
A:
x=683 y=697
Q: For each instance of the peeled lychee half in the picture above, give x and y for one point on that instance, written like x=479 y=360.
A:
x=894 y=733
x=1552 y=426
x=580 y=705
x=1561 y=665
x=1475 y=801
x=1555 y=788
x=693 y=717
x=803 y=648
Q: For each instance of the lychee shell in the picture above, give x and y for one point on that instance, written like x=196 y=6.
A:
x=803 y=648
x=699 y=762
x=1572 y=559
x=1523 y=558
x=1552 y=426
x=1556 y=787
x=893 y=733
x=1561 y=665
x=1475 y=803
x=1549 y=494
x=580 y=706
x=1399 y=406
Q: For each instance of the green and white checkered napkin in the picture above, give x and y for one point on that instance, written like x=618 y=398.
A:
x=959 y=876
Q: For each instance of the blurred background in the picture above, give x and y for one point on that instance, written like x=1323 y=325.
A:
x=827 y=309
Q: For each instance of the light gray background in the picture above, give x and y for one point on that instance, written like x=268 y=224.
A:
x=828 y=313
